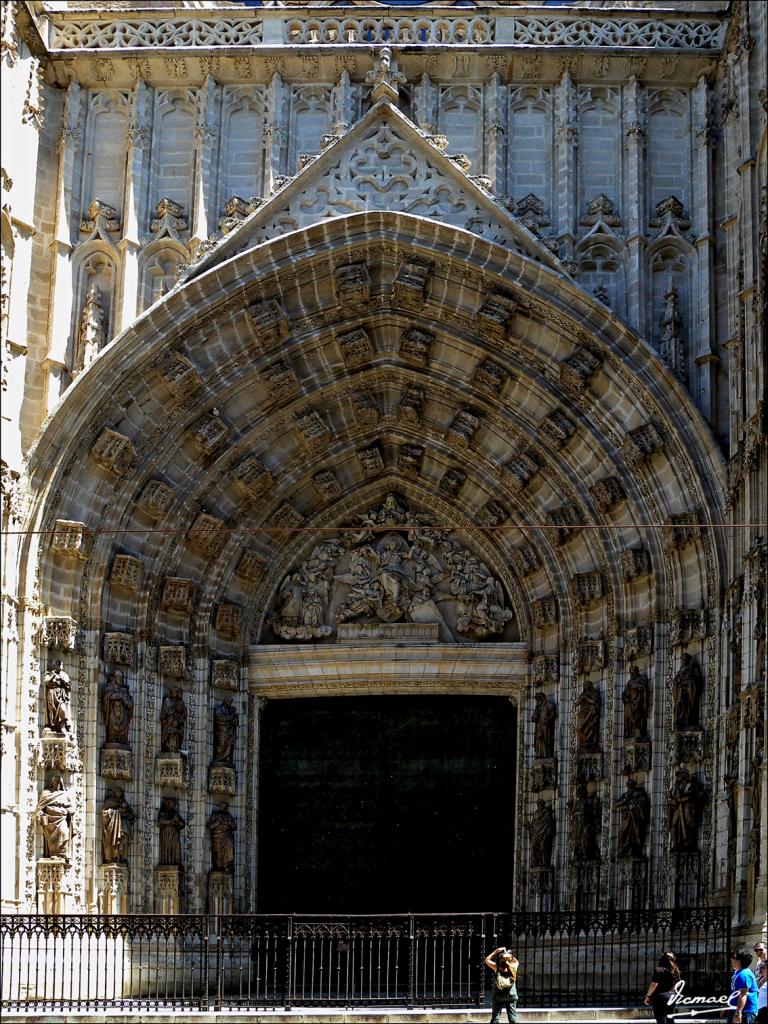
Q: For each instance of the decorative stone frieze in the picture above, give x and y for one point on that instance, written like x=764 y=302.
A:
x=607 y=493
x=586 y=588
x=156 y=499
x=452 y=481
x=118 y=649
x=546 y=669
x=365 y=408
x=114 y=452
x=173 y=661
x=71 y=539
x=556 y=428
x=411 y=404
x=254 y=477
x=490 y=377
x=519 y=472
x=169 y=771
x=689 y=747
x=127 y=573
x=563 y=520
x=181 y=378
x=372 y=461
x=313 y=432
x=270 y=322
x=687 y=625
x=177 y=594
x=210 y=432
x=682 y=529
x=492 y=513
x=251 y=567
x=464 y=425
x=326 y=485
x=642 y=443
x=638 y=642
x=228 y=620
x=113 y=889
x=416 y=345
x=634 y=563
x=281 y=380
x=636 y=756
x=409 y=458
x=589 y=767
x=225 y=674
x=543 y=774
x=208 y=534
x=411 y=284
x=356 y=347
x=353 y=284
x=57 y=752
x=589 y=656
x=525 y=560
x=495 y=315
x=222 y=779
x=579 y=368
x=115 y=763
x=545 y=612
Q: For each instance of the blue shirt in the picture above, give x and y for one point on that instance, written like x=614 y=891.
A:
x=745 y=979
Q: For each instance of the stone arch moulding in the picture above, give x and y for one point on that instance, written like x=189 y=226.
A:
x=545 y=427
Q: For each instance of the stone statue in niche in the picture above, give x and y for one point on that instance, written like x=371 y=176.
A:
x=117 y=708
x=58 y=691
x=636 y=699
x=173 y=722
x=542 y=828
x=394 y=565
x=588 y=720
x=672 y=347
x=585 y=825
x=687 y=687
x=117 y=821
x=543 y=717
x=54 y=814
x=634 y=818
x=685 y=812
x=753 y=783
x=92 y=333
x=225 y=722
x=170 y=823
x=221 y=828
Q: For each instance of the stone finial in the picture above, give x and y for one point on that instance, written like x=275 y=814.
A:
x=385 y=77
x=671 y=342
x=92 y=329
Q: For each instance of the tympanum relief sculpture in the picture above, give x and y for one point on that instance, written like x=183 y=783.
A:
x=394 y=566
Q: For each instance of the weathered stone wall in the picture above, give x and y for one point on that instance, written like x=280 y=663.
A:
x=641 y=167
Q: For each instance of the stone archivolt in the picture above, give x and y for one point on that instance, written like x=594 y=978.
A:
x=446 y=571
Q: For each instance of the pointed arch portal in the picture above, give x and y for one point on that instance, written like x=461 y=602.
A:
x=254 y=416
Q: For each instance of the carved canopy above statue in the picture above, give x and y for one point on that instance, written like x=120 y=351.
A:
x=397 y=567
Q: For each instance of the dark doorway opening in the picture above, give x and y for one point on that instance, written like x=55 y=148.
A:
x=386 y=804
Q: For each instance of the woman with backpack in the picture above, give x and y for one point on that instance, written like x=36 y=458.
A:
x=662 y=987
x=504 y=991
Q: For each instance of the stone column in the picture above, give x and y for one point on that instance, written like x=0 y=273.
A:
x=204 y=214
x=635 y=141
x=496 y=125
x=60 y=322
x=134 y=214
x=566 y=186
x=701 y=319
x=256 y=706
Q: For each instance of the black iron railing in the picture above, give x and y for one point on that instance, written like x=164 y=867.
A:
x=198 y=962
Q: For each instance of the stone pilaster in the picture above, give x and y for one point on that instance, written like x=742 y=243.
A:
x=60 y=322
x=134 y=212
x=635 y=143
x=274 y=132
x=496 y=127
x=701 y=319
x=566 y=141
x=204 y=213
